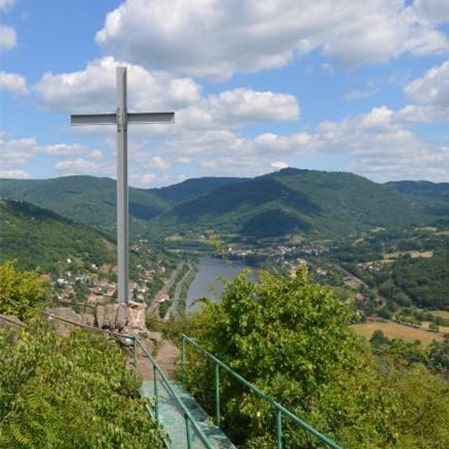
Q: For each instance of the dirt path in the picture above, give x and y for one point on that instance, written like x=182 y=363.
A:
x=166 y=357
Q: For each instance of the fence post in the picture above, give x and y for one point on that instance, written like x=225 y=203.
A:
x=183 y=358
x=134 y=351
x=156 y=395
x=188 y=432
x=217 y=394
x=278 y=428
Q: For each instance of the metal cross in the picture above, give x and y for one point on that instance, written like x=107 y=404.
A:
x=121 y=118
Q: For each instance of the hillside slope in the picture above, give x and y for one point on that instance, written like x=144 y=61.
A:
x=86 y=199
x=39 y=238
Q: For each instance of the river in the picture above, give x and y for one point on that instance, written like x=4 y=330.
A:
x=206 y=282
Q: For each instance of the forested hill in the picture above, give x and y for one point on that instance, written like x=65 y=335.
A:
x=436 y=197
x=311 y=203
x=422 y=188
x=36 y=237
x=85 y=199
x=306 y=202
x=193 y=188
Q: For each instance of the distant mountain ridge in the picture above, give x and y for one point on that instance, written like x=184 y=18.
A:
x=193 y=188
x=290 y=201
x=422 y=188
x=435 y=197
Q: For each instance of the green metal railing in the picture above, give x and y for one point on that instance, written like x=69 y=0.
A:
x=280 y=411
x=191 y=426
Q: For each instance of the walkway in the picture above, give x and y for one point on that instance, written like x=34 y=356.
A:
x=186 y=423
x=173 y=421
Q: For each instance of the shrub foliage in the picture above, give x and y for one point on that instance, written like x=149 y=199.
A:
x=290 y=337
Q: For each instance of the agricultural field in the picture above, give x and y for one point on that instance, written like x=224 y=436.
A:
x=441 y=329
x=412 y=254
x=441 y=313
x=396 y=330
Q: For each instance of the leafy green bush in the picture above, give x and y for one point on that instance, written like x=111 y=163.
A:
x=72 y=393
x=20 y=291
x=290 y=337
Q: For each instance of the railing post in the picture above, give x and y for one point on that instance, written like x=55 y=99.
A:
x=278 y=428
x=156 y=395
x=183 y=358
x=134 y=351
x=188 y=432
x=217 y=395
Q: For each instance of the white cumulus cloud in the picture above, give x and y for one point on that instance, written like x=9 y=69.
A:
x=238 y=108
x=14 y=174
x=17 y=152
x=65 y=149
x=436 y=10
x=8 y=38
x=217 y=38
x=433 y=87
x=278 y=165
x=93 y=90
x=80 y=166
x=5 y=5
x=13 y=83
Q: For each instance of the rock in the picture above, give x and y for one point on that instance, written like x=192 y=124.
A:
x=14 y=326
x=137 y=315
x=110 y=316
x=60 y=317
x=88 y=319
x=10 y=320
x=156 y=337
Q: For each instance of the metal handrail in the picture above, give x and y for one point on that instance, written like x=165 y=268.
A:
x=276 y=405
x=189 y=419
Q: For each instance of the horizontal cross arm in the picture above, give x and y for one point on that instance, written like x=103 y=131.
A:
x=93 y=119
x=151 y=117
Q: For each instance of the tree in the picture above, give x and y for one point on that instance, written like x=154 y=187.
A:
x=423 y=411
x=291 y=338
x=70 y=393
x=20 y=291
x=379 y=339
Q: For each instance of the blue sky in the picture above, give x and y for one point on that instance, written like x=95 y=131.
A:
x=340 y=85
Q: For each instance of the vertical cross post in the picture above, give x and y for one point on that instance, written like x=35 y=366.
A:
x=122 y=188
x=121 y=118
